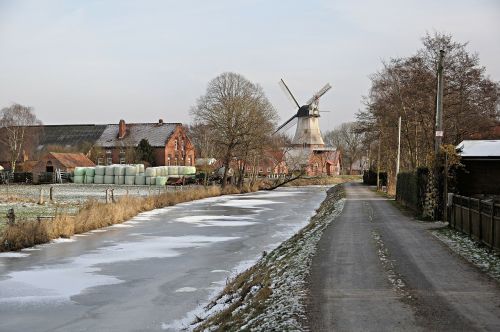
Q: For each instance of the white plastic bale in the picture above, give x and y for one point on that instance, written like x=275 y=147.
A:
x=109 y=171
x=90 y=171
x=190 y=170
x=161 y=180
x=78 y=179
x=130 y=170
x=89 y=179
x=152 y=181
x=173 y=170
x=119 y=179
x=150 y=171
x=100 y=170
x=79 y=171
x=141 y=168
x=99 y=179
x=109 y=179
x=130 y=180
x=119 y=170
x=140 y=180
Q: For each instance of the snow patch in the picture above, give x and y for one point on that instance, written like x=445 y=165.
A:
x=186 y=290
x=13 y=254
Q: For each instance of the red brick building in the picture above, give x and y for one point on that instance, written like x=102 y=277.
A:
x=169 y=141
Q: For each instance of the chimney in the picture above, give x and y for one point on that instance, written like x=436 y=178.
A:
x=122 y=129
x=160 y=121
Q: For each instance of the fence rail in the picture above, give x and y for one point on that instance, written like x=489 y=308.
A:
x=480 y=219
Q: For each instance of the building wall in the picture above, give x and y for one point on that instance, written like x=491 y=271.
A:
x=479 y=177
x=179 y=150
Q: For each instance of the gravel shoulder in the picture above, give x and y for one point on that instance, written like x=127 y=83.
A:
x=378 y=270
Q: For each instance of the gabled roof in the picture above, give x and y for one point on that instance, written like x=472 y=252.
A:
x=480 y=148
x=156 y=133
x=69 y=135
x=72 y=160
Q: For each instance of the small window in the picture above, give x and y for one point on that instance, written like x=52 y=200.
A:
x=269 y=169
x=189 y=161
x=168 y=161
x=182 y=145
x=175 y=145
x=176 y=162
x=100 y=161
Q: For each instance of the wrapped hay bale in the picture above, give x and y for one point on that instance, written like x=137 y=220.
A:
x=90 y=171
x=119 y=170
x=89 y=179
x=78 y=179
x=130 y=180
x=109 y=179
x=130 y=170
x=100 y=170
x=190 y=170
x=150 y=172
x=99 y=179
x=140 y=180
x=161 y=180
x=141 y=168
x=109 y=171
x=79 y=171
x=152 y=181
x=173 y=170
x=119 y=179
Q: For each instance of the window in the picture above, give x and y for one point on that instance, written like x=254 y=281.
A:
x=176 y=162
x=189 y=161
x=182 y=145
x=109 y=157
x=122 y=156
x=100 y=161
x=168 y=161
x=175 y=145
x=269 y=169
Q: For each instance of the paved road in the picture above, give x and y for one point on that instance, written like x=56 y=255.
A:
x=148 y=273
x=378 y=270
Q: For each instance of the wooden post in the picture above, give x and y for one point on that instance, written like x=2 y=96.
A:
x=492 y=226
x=11 y=216
x=107 y=196
x=51 y=194
x=40 y=198
x=113 y=195
x=469 y=218
x=480 y=222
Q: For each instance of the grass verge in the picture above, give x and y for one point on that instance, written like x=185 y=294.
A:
x=269 y=296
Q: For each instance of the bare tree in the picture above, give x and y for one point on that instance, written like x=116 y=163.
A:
x=347 y=139
x=14 y=120
x=238 y=115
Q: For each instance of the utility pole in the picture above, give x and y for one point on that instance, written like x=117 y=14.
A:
x=439 y=105
x=399 y=148
x=378 y=160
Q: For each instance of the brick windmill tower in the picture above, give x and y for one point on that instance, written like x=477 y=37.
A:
x=307 y=133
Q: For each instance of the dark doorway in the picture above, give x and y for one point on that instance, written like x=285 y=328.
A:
x=49 y=168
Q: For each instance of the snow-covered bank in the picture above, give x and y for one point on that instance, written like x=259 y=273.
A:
x=471 y=250
x=269 y=295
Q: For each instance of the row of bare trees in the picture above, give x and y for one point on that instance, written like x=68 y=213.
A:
x=406 y=87
x=14 y=122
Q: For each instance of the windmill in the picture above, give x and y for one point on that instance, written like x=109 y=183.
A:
x=307 y=133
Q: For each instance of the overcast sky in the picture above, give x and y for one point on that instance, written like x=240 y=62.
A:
x=102 y=61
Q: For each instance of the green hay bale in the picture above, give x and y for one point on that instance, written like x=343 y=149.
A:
x=99 y=179
x=100 y=170
x=79 y=171
x=78 y=179
x=89 y=179
x=90 y=171
x=161 y=180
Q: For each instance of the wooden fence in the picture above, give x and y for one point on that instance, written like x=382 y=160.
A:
x=480 y=219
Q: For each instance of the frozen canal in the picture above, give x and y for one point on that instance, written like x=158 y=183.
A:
x=151 y=272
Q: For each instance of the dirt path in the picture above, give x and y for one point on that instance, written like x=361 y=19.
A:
x=378 y=270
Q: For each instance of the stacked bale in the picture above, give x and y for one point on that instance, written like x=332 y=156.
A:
x=109 y=175
x=140 y=179
x=79 y=175
x=99 y=174
x=130 y=173
x=161 y=180
x=150 y=173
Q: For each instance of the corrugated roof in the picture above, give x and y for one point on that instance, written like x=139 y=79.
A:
x=72 y=160
x=69 y=135
x=479 y=148
x=156 y=133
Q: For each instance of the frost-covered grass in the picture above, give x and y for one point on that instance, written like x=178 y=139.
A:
x=269 y=296
x=475 y=252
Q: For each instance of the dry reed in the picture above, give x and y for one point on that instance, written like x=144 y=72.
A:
x=96 y=215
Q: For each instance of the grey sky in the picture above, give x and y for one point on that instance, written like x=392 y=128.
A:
x=100 y=61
